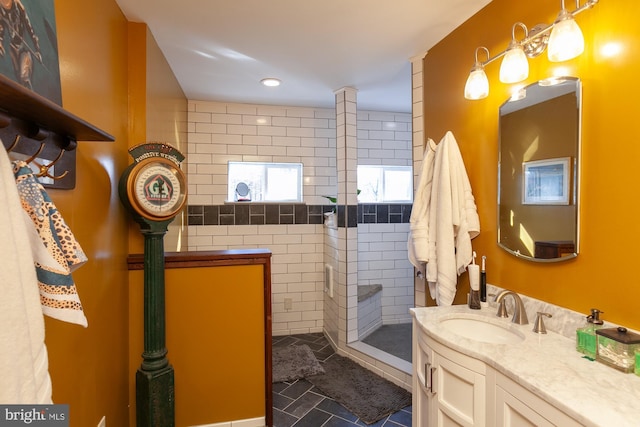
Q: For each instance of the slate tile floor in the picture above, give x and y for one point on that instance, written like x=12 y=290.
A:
x=300 y=404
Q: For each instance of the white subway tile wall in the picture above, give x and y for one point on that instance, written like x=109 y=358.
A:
x=369 y=313
x=331 y=310
x=346 y=295
x=382 y=259
x=221 y=132
x=384 y=138
x=420 y=288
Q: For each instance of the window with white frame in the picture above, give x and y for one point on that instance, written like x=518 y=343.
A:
x=385 y=184
x=264 y=182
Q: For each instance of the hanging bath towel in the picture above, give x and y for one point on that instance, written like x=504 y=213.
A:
x=56 y=252
x=453 y=222
x=418 y=242
x=24 y=366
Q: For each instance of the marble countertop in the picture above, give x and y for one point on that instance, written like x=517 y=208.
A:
x=548 y=365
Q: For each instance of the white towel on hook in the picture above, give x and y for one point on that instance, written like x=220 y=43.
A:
x=24 y=366
x=418 y=244
x=453 y=222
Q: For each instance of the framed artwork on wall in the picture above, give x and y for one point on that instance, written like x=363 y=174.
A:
x=29 y=46
x=546 y=182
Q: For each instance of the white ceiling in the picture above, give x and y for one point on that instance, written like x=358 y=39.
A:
x=219 y=50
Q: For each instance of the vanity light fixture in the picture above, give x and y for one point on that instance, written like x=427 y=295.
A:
x=270 y=82
x=562 y=37
x=515 y=67
x=566 y=40
x=477 y=86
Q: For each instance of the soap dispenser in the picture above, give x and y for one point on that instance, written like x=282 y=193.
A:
x=586 y=336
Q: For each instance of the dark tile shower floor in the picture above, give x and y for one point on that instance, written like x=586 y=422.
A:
x=300 y=404
x=394 y=339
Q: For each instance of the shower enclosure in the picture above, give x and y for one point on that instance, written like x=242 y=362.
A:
x=385 y=290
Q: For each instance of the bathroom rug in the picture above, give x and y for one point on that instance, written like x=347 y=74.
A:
x=293 y=362
x=367 y=395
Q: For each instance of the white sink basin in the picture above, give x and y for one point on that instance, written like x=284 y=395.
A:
x=480 y=329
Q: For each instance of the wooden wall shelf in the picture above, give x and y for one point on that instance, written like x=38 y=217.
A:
x=38 y=120
x=26 y=105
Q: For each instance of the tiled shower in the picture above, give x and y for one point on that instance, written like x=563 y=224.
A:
x=219 y=132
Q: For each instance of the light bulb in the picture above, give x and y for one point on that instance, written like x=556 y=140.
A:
x=477 y=86
x=566 y=40
x=514 y=67
x=270 y=82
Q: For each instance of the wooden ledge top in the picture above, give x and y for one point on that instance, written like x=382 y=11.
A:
x=190 y=259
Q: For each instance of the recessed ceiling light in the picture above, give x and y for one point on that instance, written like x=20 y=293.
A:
x=270 y=82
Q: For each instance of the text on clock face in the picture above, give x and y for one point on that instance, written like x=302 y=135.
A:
x=158 y=189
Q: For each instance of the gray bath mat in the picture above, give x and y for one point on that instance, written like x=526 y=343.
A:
x=294 y=362
x=362 y=392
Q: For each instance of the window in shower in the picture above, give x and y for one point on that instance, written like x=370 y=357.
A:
x=385 y=184
x=264 y=182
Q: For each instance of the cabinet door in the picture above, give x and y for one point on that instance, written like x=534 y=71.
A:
x=422 y=380
x=518 y=407
x=510 y=412
x=460 y=394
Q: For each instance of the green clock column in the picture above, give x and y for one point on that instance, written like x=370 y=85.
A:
x=155 y=396
x=154 y=190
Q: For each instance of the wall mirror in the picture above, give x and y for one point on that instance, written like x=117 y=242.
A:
x=538 y=161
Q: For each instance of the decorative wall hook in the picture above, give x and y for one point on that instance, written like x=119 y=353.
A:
x=44 y=169
x=13 y=144
x=36 y=154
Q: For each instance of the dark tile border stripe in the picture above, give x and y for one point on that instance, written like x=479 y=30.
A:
x=298 y=213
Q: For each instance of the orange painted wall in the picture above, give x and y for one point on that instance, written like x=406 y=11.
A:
x=603 y=275
x=88 y=366
x=215 y=341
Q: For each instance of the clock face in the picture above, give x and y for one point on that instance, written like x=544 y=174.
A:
x=157 y=189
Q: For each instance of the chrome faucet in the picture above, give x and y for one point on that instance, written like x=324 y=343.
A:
x=519 y=312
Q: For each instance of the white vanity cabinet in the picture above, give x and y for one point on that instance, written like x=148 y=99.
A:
x=464 y=374
x=449 y=388
x=453 y=389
